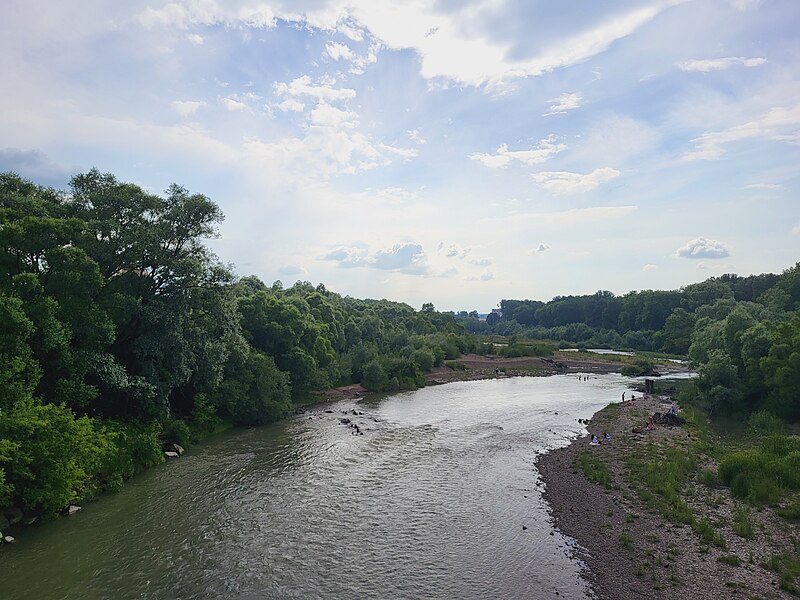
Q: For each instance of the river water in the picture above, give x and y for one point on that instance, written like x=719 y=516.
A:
x=430 y=502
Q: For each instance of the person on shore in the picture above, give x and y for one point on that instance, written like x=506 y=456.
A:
x=651 y=424
x=623 y=396
x=595 y=441
x=606 y=437
x=673 y=410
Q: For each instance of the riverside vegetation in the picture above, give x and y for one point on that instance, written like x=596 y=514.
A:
x=121 y=331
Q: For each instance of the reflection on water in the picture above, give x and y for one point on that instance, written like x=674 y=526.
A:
x=429 y=503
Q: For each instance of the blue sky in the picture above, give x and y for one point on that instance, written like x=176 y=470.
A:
x=453 y=152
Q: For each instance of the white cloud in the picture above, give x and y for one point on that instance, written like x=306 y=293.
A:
x=233 y=105
x=564 y=103
x=566 y=182
x=339 y=51
x=744 y=5
x=717 y=64
x=649 y=267
x=453 y=251
x=186 y=107
x=324 y=115
x=302 y=86
x=416 y=136
x=545 y=149
x=290 y=104
x=195 y=39
x=778 y=124
x=796 y=230
x=703 y=248
x=485 y=276
x=763 y=186
x=481 y=262
x=450 y=47
x=540 y=248
x=292 y=270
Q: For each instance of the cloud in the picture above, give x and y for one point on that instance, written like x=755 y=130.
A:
x=195 y=39
x=540 y=248
x=485 y=276
x=718 y=64
x=292 y=270
x=565 y=182
x=408 y=258
x=564 y=103
x=233 y=105
x=649 y=267
x=291 y=105
x=324 y=115
x=339 y=51
x=453 y=251
x=796 y=230
x=416 y=136
x=186 y=107
x=302 y=86
x=703 y=248
x=564 y=217
x=481 y=262
x=455 y=47
x=545 y=149
x=35 y=165
x=778 y=124
x=763 y=186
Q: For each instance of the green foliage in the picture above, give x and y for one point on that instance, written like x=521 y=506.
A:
x=764 y=423
x=742 y=524
x=762 y=475
x=791 y=512
x=49 y=457
x=787 y=566
x=595 y=469
x=177 y=431
x=640 y=367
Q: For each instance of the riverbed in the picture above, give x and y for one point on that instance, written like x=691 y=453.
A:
x=439 y=497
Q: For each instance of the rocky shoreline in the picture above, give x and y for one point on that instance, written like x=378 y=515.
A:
x=632 y=551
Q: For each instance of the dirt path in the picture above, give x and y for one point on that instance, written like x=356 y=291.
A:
x=632 y=551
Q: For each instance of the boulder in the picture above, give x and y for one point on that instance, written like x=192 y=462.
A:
x=171 y=454
x=73 y=509
x=178 y=449
x=344 y=421
x=13 y=514
x=9 y=540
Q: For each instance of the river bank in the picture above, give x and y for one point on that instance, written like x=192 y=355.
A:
x=630 y=547
x=475 y=367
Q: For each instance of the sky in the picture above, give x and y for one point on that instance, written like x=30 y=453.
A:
x=432 y=151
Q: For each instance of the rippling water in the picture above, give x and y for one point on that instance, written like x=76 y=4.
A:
x=429 y=503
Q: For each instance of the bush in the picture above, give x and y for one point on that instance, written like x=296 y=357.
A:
x=177 y=431
x=766 y=423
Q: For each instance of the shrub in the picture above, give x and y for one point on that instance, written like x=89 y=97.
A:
x=177 y=431
x=766 y=423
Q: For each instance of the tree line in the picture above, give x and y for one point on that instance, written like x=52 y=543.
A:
x=120 y=330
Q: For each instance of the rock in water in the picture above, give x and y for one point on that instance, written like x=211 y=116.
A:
x=9 y=540
x=179 y=449
x=171 y=454
x=73 y=509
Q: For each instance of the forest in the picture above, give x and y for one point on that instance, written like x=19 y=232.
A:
x=742 y=334
x=121 y=330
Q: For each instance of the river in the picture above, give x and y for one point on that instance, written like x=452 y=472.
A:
x=430 y=502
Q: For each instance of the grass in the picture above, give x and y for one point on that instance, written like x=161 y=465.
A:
x=730 y=559
x=705 y=529
x=791 y=512
x=742 y=524
x=626 y=540
x=787 y=566
x=595 y=469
